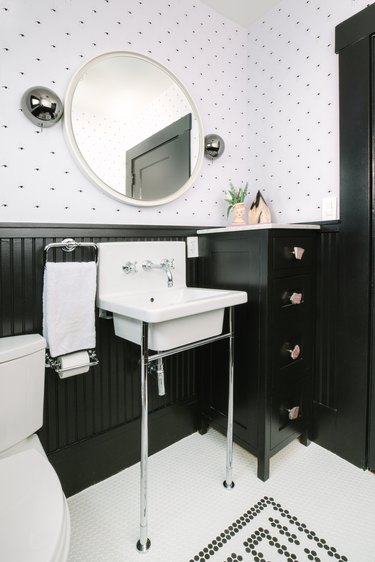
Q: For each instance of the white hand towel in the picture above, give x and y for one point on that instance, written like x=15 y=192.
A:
x=69 y=306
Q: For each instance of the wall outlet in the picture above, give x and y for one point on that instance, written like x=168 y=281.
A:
x=192 y=247
x=329 y=208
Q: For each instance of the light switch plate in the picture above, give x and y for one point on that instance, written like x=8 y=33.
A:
x=329 y=208
x=192 y=247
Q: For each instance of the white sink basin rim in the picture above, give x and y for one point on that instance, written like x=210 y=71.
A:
x=169 y=304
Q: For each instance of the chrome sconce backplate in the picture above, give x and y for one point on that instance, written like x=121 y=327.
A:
x=42 y=106
x=213 y=146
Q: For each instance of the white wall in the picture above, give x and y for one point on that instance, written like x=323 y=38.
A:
x=44 y=43
x=293 y=105
x=271 y=93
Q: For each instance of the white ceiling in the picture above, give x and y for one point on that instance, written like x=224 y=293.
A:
x=243 y=12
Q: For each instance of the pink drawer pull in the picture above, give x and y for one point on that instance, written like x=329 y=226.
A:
x=298 y=252
x=295 y=352
x=293 y=413
x=296 y=298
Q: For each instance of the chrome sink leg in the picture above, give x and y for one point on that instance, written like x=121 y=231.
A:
x=228 y=482
x=144 y=542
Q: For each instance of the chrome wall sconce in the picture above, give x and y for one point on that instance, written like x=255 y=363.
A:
x=213 y=146
x=42 y=106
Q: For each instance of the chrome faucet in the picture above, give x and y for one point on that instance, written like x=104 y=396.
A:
x=165 y=264
x=130 y=267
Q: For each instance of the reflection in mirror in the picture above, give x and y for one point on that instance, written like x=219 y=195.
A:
x=134 y=128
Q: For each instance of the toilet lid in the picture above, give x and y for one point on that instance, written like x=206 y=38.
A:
x=31 y=508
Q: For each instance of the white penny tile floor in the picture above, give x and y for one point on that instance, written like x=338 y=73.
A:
x=315 y=506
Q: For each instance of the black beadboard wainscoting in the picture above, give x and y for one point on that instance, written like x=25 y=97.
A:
x=91 y=424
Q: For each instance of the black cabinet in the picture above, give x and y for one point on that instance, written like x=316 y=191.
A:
x=274 y=336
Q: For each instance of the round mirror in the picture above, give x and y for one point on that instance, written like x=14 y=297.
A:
x=133 y=128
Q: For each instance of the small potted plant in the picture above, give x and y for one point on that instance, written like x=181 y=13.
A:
x=236 y=199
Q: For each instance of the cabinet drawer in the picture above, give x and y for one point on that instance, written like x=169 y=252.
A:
x=294 y=402
x=293 y=252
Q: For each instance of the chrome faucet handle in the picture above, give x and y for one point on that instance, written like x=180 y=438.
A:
x=130 y=267
x=168 y=263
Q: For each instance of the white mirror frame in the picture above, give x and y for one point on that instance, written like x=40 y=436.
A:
x=68 y=127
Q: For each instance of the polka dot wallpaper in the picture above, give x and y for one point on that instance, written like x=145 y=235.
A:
x=293 y=123
x=44 y=43
x=270 y=91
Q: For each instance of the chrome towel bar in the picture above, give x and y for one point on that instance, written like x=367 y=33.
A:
x=69 y=245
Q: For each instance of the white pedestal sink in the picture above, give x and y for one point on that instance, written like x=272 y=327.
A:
x=176 y=315
x=152 y=307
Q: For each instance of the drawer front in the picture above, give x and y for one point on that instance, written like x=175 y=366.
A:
x=293 y=252
x=291 y=412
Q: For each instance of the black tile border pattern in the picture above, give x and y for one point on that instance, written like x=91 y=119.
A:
x=251 y=552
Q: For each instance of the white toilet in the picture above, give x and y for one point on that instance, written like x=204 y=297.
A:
x=34 y=516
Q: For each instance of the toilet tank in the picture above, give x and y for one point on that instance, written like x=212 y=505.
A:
x=21 y=387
